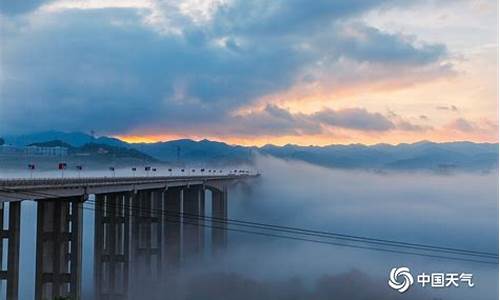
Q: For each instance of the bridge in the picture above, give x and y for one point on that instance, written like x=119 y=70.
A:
x=140 y=230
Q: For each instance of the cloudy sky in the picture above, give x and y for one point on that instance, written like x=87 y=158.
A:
x=252 y=72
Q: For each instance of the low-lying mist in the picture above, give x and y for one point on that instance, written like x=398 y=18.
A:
x=459 y=210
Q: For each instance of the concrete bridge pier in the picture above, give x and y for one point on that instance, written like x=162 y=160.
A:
x=219 y=214
x=146 y=234
x=58 y=248
x=172 y=230
x=111 y=246
x=10 y=233
x=157 y=212
x=192 y=225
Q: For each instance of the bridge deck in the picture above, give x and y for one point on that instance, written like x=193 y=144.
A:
x=43 y=188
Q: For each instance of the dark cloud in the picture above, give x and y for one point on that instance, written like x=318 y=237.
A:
x=287 y=17
x=354 y=118
x=363 y=43
x=402 y=123
x=408 y=126
x=463 y=125
x=273 y=120
x=85 y=74
x=119 y=73
x=14 y=7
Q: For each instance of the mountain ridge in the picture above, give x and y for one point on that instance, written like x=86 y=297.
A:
x=425 y=154
x=70 y=137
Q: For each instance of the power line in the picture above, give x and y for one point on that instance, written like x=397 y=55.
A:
x=325 y=242
x=338 y=236
x=323 y=234
x=358 y=239
x=328 y=235
x=294 y=230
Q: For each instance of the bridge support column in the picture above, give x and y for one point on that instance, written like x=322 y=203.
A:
x=192 y=224
x=111 y=246
x=172 y=229
x=157 y=212
x=146 y=234
x=219 y=215
x=11 y=234
x=58 y=248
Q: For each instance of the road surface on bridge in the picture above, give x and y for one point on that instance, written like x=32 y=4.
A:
x=42 y=188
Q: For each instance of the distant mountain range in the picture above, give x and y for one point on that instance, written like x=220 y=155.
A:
x=76 y=139
x=422 y=155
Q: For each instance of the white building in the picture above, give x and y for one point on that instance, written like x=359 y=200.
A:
x=33 y=150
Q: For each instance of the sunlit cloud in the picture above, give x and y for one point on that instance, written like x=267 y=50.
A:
x=249 y=72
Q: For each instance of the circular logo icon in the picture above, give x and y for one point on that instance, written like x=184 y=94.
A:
x=400 y=279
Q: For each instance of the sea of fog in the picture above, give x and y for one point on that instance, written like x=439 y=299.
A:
x=455 y=210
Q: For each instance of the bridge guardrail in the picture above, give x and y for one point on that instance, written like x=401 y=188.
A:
x=110 y=180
